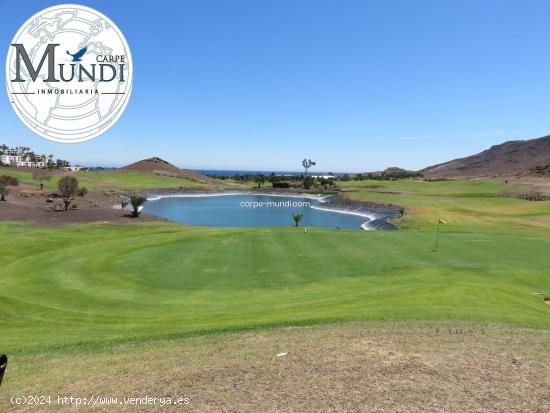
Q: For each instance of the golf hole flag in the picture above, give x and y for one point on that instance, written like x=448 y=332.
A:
x=439 y=222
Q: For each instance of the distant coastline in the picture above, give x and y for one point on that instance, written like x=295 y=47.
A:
x=232 y=172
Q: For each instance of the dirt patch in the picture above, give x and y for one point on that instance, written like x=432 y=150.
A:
x=24 y=204
x=12 y=212
x=527 y=184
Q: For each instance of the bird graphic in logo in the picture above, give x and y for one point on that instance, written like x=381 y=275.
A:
x=77 y=56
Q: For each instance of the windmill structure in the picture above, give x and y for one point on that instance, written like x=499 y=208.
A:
x=307 y=163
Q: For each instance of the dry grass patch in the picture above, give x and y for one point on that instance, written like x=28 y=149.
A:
x=347 y=367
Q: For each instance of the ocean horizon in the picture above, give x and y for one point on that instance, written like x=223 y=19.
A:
x=231 y=172
x=226 y=172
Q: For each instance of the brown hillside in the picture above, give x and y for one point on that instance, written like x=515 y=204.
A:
x=530 y=157
x=161 y=167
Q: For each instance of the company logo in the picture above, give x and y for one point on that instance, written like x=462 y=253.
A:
x=69 y=73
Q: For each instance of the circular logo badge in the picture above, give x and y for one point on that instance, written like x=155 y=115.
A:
x=69 y=73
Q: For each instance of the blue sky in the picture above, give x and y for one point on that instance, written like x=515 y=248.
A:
x=355 y=85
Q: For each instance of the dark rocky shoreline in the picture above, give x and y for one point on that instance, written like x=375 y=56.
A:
x=382 y=212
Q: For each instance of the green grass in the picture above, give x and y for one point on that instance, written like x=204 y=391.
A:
x=26 y=177
x=459 y=187
x=104 y=180
x=468 y=205
x=108 y=180
x=117 y=309
x=91 y=285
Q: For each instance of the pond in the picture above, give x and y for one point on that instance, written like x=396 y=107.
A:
x=251 y=210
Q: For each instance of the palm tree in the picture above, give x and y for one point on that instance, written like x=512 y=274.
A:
x=308 y=182
x=137 y=201
x=260 y=179
x=297 y=218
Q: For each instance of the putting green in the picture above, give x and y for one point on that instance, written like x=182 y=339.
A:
x=91 y=285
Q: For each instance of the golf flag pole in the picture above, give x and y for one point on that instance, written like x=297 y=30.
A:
x=439 y=222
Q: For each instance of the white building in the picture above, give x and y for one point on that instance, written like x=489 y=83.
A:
x=11 y=160
x=22 y=157
x=73 y=168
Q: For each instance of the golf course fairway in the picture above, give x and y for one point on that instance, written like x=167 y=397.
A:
x=198 y=311
x=93 y=284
